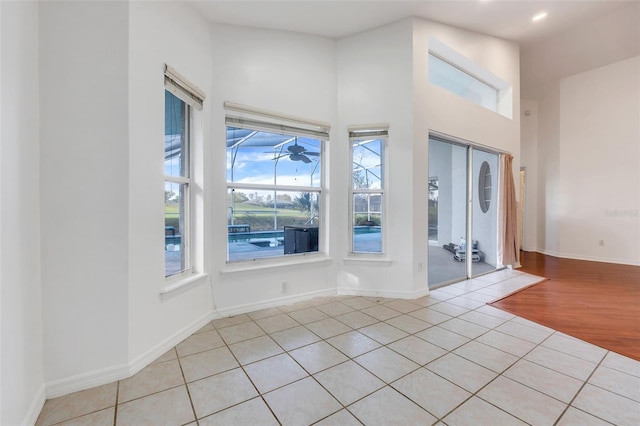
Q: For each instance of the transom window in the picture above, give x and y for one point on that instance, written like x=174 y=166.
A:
x=274 y=189
x=367 y=189
x=455 y=80
x=458 y=74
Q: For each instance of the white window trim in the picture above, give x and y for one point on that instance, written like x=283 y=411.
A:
x=187 y=201
x=378 y=131
x=454 y=58
x=194 y=98
x=175 y=83
x=246 y=117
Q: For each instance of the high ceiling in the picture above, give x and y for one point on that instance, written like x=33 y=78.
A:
x=335 y=19
x=575 y=36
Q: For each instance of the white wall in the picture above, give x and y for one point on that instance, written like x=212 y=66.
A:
x=84 y=186
x=589 y=158
x=548 y=167
x=529 y=161
x=21 y=370
x=163 y=33
x=287 y=73
x=375 y=86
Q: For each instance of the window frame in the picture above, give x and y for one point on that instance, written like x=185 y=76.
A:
x=376 y=133
x=185 y=180
x=193 y=99
x=490 y=103
x=454 y=59
x=261 y=121
x=485 y=191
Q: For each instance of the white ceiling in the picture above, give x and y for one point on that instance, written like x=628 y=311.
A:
x=501 y=18
x=577 y=35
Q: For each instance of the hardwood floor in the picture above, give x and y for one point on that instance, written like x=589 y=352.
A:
x=593 y=301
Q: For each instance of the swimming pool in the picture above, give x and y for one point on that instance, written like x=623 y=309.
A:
x=258 y=238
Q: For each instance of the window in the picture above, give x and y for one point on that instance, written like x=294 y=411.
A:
x=458 y=74
x=367 y=189
x=484 y=187
x=274 y=188
x=455 y=80
x=179 y=102
x=433 y=209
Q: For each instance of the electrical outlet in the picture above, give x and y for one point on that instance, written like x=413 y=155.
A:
x=601 y=243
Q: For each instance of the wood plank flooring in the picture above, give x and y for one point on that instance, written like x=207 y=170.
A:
x=593 y=301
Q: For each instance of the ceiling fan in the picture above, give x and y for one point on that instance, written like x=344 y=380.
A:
x=298 y=153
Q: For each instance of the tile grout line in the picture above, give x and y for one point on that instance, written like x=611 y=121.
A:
x=570 y=404
x=186 y=386
x=383 y=302
x=500 y=374
x=115 y=411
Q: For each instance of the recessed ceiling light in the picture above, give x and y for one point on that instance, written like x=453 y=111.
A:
x=540 y=16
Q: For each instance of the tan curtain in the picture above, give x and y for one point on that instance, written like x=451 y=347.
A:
x=508 y=214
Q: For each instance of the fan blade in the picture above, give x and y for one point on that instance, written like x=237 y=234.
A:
x=313 y=154
x=299 y=157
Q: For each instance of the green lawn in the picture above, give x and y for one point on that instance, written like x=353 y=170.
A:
x=171 y=211
x=259 y=218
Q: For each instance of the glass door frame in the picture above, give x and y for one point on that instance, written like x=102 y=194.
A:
x=470 y=196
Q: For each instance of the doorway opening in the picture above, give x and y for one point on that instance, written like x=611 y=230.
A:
x=463 y=210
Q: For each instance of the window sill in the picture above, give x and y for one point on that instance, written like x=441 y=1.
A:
x=356 y=259
x=182 y=283
x=266 y=264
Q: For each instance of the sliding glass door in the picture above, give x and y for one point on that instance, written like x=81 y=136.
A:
x=462 y=216
x=447 y=211
x=484 y=225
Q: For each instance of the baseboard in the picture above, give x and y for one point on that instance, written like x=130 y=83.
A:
x=588 y=258
x=86 y=380
x=36 y=407
x=141 y=361
x=91 y=379
x=272 y=303
x=391 y=294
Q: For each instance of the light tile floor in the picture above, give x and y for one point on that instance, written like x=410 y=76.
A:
x=446 y=359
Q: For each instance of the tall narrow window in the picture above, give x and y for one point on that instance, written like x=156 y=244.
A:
x=177 y=182
x=180 y=99
x=367 y=189
x=274 y=188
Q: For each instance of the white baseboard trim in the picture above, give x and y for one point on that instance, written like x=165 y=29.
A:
x=36 y=407
x=146 y=358
x=589 y=258
x=86 y=380
x=272 y=303
x=100 y=377
x=103 y=376
x=383 y=293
